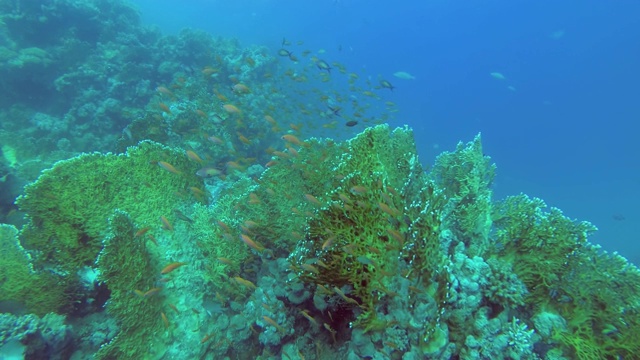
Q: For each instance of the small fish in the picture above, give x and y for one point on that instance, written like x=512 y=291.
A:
x=216 y=140
x=497 y=75
x=206 y=338
x=244 y=282
x=165 y=223
x=240 y=89
x=182 y=216
x=351 y=123
x=169 y=268
x=309 y=317
x=208 y=71
x=387 y=209
x=386 y=85
x=164 y=107
x=358 y=190
x=142 y=231
x=285 y=42
x=333 y=110
x=174 y=308
x=153 y=239
x=327 y=244
x=231 y=109
x=151 y=291
x=292 y=139
x=274 y=323
x=163 y=90
x=165 y=320
x=396 y=235
x=170 y=168
x=310 y=268
x=345 y=297
x=285 y=52
x=208 y=171
x=312 y=199
x=252 y=244
x=404 y=75
x=323 y=65
x=193 y=156
x=197 y=192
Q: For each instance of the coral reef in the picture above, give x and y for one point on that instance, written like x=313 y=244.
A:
x=23 y=289
x=69 y=203
x=222 y=229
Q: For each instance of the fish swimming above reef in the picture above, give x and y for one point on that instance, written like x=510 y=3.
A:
x=287 y=53
x=323 y=65
x=404 y=75
x=386 y=85
x=498 y=76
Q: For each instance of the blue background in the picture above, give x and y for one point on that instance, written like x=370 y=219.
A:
x=567 y=134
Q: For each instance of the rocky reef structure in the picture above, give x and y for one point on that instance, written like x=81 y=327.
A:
x=346 y=249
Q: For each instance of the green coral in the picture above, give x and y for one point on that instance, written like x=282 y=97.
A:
x=39 y=293
x=125 y=266
x=465 y=176
x=596 y=292
x=67 y=206
x=377 y=217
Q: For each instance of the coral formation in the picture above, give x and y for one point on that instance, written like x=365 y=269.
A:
x=68 y=204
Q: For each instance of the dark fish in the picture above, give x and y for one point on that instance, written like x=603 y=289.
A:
x=284 y=52
x=618 y=217
x=335 y=111
x=386 y=85
x=322 y=65
x=182 y=216
x=351 y=123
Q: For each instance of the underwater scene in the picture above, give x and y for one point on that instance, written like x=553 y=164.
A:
x=342 y=179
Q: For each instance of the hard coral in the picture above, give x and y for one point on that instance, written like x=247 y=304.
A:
x=68 y=204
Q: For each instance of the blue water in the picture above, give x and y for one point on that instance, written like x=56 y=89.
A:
x=567 y=132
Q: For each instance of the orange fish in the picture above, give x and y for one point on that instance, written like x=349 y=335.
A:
x=220 y=96
x=243 y=139
x=309 y=317
x=165 y=320
x=163 y=90
x=231 y=109
x=206 y=338
x=274 y=323
x=270 y=120
x=170 y=168
x=169 y=268
x=151 y=291
x=208 y=71
x=164 y=108
x=240 y=89
x=153 y=239
x=244 y=282
x=193 y=156
x=142 y=231
x=165 y=223
x=386 y=208
x=312 y=199
x=252 y=244
x=358 y=190
x=328 y=242
x=216 y=140
x=174 y=308
x=292 y=139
